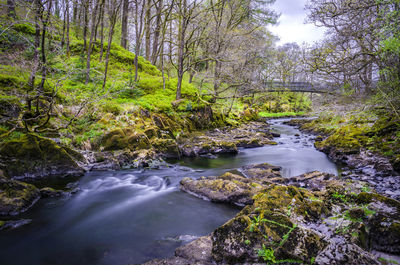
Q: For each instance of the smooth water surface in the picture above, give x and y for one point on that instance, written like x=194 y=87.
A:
x=131 y=216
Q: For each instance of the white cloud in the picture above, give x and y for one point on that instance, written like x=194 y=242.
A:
x=291 y=27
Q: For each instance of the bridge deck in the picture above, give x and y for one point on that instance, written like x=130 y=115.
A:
x=276 y=86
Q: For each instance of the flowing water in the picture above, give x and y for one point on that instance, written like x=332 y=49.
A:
x=131 y=216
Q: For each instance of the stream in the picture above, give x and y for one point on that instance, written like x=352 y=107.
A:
x=132 y=216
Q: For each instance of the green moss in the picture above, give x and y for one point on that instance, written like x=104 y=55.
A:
x=24 y=28
x=112 y=107
x=348 y=139
x=16 y=196
x=10 y=81
x=366 y=198
x=32 y=153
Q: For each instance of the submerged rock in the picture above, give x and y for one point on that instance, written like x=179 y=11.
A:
x=13 y=224
x=197 y=252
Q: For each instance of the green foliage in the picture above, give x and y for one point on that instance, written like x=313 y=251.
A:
x=282 y=102
x=118 y=55
x=338 y=196
x=366 y=188
x=267 y=254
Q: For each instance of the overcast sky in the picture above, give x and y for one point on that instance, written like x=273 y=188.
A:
x=291 y=27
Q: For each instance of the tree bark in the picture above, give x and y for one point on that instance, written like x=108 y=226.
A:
x=11 y=9
x=147 y=30
x=157 y=32
x=181 y=48
x=124 y=24
x=102 y=30
x=67 y=33
x=36 y=44
x=85 y=22
x=113 y=10
x=138 y=34
x=89 y=48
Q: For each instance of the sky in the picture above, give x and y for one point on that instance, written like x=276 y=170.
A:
x=291 y=27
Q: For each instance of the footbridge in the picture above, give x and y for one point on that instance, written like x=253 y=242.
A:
x=276 y=86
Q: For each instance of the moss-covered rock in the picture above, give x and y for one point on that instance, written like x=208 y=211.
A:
x=384 y=222
x=267 y=231
x=16 y=196
x=347 y=139
x=128 y=138
x=166 y=147
x=228 y=188
x=33 y=156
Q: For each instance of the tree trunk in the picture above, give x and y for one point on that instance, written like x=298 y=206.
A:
x=147 y=29
x=85 y=21
x=124 y=24
x=138 y=34
x=67 y=33
x=102 y=31
x=31 y=82
x=113 y=10
x=181 y=47
x=110 y=36
x=191 y=76
x=64 y=28
x=57 y=9
x=89 y=48
x=217 y=70
x=157 y=32
x=75 y=11
x=11 y=9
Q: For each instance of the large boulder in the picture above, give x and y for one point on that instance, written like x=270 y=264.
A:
x=227 y=188
x=15 y=196
x=197 y=252
x=34 y=156
x=270 y=230
x=384 y=222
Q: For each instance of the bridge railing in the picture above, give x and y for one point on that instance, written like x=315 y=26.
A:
x=275 y=86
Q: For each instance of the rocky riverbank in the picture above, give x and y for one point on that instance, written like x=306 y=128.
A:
x=314 y=218
x=353 y=149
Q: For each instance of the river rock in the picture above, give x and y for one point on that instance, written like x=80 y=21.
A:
x=48 y=192
x=340 y=252
x=13 y=224
x=227 y=188
x=263 y=172
x=384 y=224
x=269 y=230
x=227 y=140
x=16 y=197
x=233 y=188
x=198 y=250
x=34 y=156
